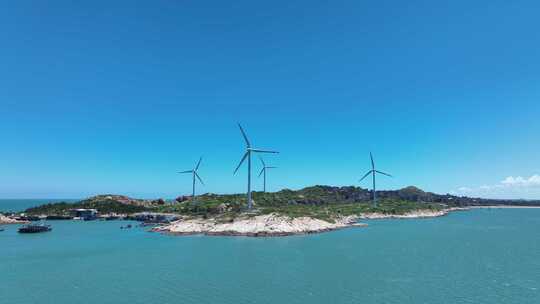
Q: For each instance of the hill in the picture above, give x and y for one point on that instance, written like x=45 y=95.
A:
x=318 y=201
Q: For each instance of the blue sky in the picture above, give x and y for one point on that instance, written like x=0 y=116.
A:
x=104 y=97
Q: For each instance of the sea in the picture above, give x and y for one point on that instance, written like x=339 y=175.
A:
x=479 y=256
x=19 y=205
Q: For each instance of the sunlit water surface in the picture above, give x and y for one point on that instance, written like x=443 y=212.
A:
x=479 y=256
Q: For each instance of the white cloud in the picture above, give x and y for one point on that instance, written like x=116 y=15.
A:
x=510 y=187
x=533 y=181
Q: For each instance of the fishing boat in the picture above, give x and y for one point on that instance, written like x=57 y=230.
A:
x=35 y=228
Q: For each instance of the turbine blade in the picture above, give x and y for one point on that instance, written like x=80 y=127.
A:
x=383 y=173
x=372 y=162
x=263 y=151
x=245 y=136
x=369 y=172
x=199 y=178
x=262 y=161
x=271 y=167
x=188 y=171
x=198 y=164
x=262 y=170
x=241 y=161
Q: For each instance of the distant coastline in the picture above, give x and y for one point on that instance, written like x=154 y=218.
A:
x=287 y=212
x=505 y=207
x=21 y=204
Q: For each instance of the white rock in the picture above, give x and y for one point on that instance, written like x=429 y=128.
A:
x=262 y=225
x=7 y=220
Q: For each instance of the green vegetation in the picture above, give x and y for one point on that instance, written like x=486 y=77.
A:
x=104 y=206
x=320 y=202
x=329 y=212
x=323 y=202
x=205 y=205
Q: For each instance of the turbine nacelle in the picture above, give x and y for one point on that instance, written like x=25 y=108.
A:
x=373 y=172
x=264 y=167
x=195 y=176
x=249 y=149
x=247 y=155
x=264 y=170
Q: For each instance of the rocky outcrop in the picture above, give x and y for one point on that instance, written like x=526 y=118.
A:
x=153 y=217
x=411 y=215
x=158 y=202
x=117 y=198
x=278 y=225
x=126 y=200
x=8 y=220
x=183 y=198
x=257 y=226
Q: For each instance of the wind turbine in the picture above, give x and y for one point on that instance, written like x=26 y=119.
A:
x=373 y=172
x=263 y=170
x=247 y=155
x=195 y=175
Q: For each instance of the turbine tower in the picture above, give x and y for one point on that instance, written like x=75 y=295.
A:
x=263 y=170
x=195 y=175
x=373 y=172
x=247 y=155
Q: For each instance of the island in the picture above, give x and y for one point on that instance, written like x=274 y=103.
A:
x=287 y=212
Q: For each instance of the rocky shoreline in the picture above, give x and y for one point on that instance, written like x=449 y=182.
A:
x=272 y=225
x=411 y=215
x=4 y=220
x=257 y=226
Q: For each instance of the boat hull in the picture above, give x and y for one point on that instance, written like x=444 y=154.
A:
x=34 y=229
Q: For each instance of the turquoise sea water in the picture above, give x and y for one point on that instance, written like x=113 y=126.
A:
x=18 y=205
x=479 y=256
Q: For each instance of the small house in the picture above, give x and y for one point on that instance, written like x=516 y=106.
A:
x=84 y=214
